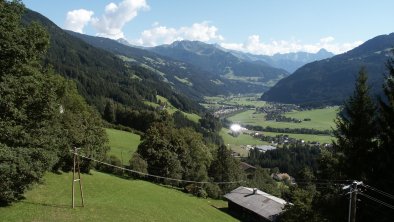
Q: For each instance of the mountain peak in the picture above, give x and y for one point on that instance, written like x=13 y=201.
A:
x=324 y=52
x=123 y=41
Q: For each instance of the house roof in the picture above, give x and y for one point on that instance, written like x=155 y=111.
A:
x=246 y=166
x=265 y=147
x=261 y=203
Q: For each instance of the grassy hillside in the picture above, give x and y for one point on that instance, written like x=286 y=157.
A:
x=171 y=109
x=109 y=198
x=122 y=143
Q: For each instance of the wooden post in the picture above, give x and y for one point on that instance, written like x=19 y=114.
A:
x=76 y=164
x=73 y=187
x=353 y=202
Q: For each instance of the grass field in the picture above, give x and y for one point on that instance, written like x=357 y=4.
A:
x=321 y=119
x=109 y=198
x=123 y=144
x=171 y=109
x=236 y=143
x=252 y=100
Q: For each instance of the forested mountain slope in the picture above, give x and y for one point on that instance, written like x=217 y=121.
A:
x=330 y=81
x=100 y=75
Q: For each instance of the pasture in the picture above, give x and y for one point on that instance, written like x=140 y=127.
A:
x=321 y=119
x=123 y=144
x=171 y=109
x=237 y=143
x=110 y=198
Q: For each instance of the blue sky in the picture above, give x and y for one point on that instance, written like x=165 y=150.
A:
x=256 y=26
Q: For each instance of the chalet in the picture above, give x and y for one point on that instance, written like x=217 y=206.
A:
x=254 y=205
x=248 y=169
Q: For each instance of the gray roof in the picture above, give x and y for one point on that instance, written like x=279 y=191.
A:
x=265 y=147
x=262 y=203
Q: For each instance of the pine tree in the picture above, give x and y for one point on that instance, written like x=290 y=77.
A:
x=225 y=168
x=385 y=153
x=356 y=131
x=109 y=112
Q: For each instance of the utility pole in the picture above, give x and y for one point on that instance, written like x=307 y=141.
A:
x=76 y=165
x=352 y=200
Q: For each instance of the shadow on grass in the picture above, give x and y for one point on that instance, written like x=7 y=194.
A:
x=64 y=206
x=227 y=211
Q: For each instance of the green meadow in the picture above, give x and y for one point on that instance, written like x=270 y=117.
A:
x=321 y=119
x=237 y=143
x=110 y=198
x=123 y=144
x=171 y=109
x=252 y=100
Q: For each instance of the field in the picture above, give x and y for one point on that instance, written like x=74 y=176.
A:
x=251 y=100
x=109 y=198
x=321 y=119
x=236 y=143
x=123 y=144
x=171 y=109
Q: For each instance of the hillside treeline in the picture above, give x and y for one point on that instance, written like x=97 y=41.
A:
x=42 y=116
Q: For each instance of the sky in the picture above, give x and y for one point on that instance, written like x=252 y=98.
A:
x=254 y=26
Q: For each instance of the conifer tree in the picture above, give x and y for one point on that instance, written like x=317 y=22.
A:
x=356 y=131
x=109 y=112
x=385 y=153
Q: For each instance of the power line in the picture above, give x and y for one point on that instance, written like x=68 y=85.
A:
x=327 y=180
x=156 y=176
x=378 y=201
x=379 y=191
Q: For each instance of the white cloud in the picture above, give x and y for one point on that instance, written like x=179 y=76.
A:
x=115 y=16
x=327 y=39
x=164 y=35
x=77 y=19
x=254 y=45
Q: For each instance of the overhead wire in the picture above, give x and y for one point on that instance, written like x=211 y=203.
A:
x=377 y=200
x=156 y=176
x=379 y=191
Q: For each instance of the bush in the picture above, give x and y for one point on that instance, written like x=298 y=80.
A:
x=196 y=190
x=113 y=160
x=138 y=164
x=213 y=190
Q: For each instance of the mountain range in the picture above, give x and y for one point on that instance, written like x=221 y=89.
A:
x=331 y=81
x=221 y=63
x=189 y=70
x=287 y=61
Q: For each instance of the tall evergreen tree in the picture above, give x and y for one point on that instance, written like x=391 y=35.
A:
x=385 y=174
x=356 y=131
x=109 y=112
x=225 y=168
